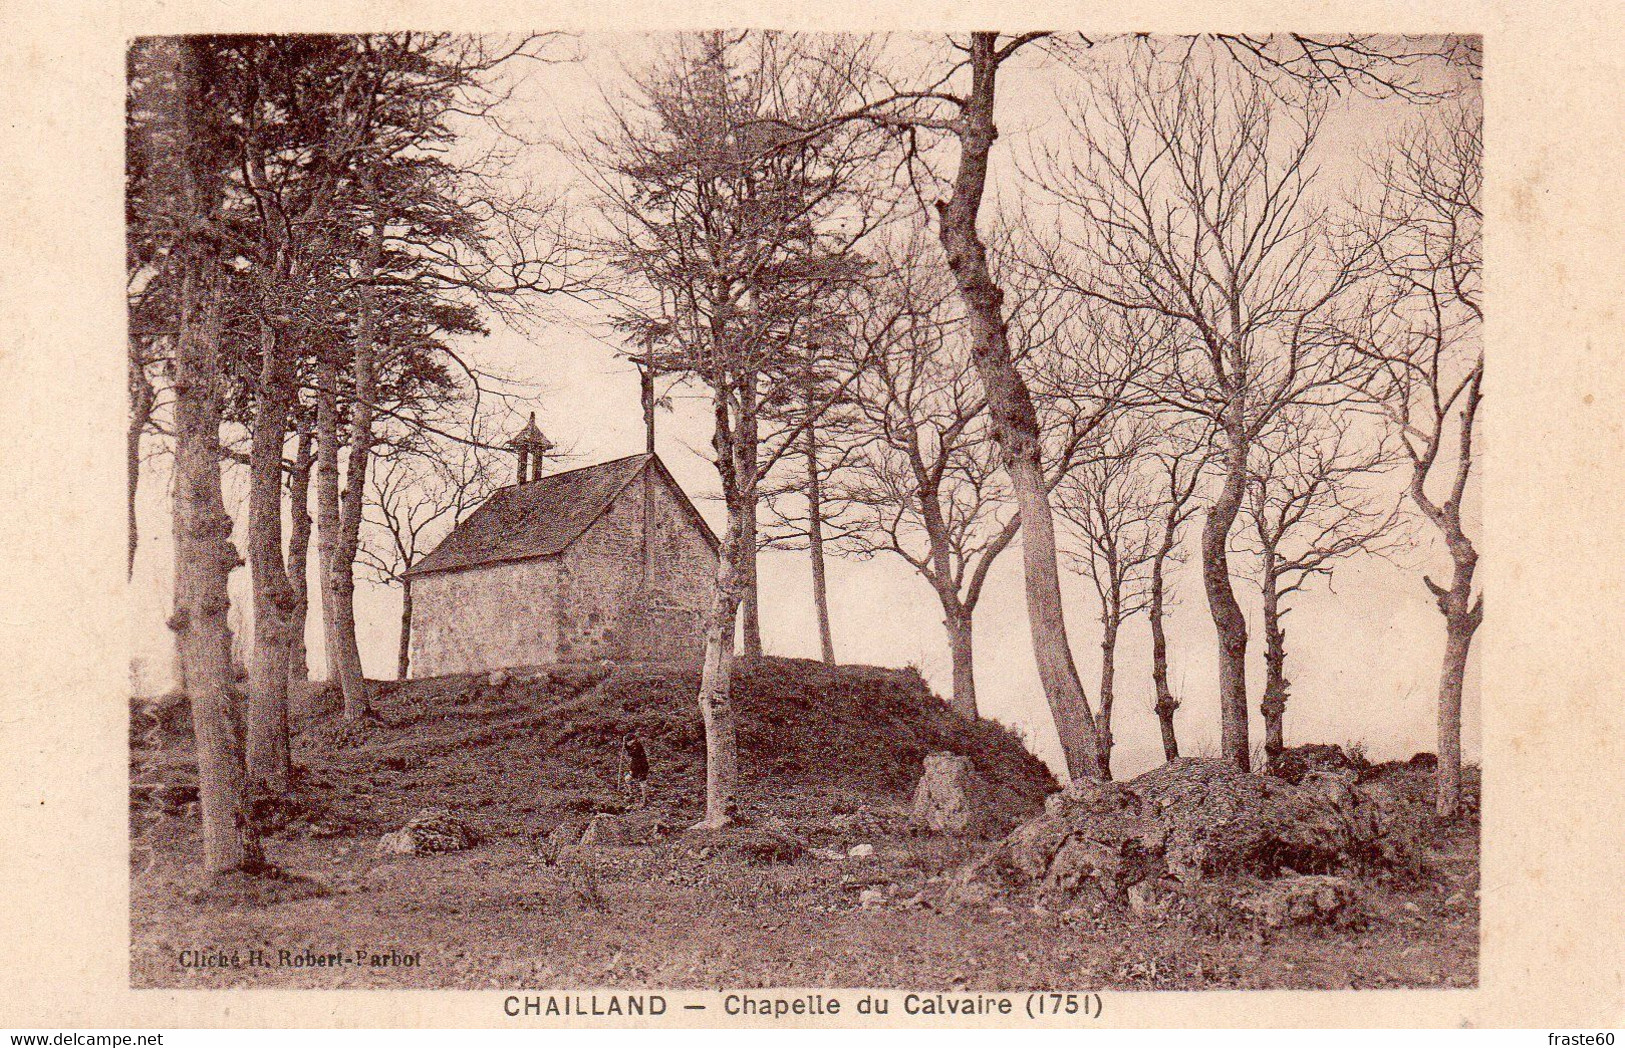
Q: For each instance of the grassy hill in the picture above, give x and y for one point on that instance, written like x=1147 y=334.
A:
x=832 y=753
x=515 y=753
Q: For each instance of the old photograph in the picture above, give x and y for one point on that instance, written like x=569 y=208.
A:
x=959 y=513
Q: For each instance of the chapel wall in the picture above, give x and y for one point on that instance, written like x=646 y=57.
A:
x=491 y=617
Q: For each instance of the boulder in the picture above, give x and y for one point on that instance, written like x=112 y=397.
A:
x=1091 y=833
x=863 y=822
x=1390 y=826
x=1294 y=762
x=1223 y=821
x=620 y=829
x=435 y=830
x=758 y=845
x=951 y=797
x=860 y=851
x=1287 y=901
x=1150 y=898
x=1194 y=819
x=607 y=829
x=550 y=845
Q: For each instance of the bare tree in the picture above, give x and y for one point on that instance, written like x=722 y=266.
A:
x=943 y=105
x=804 y=504
x=1193 y=194
x=1009 y=402
x=929 y=484
x=415 y=496
x=1181 y=459
x=926 y=483
x=1309 y=506
x=1110 y=502
x=940 y=104
x=1426 y=337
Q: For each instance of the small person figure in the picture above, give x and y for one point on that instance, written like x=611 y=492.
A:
x=635 y=769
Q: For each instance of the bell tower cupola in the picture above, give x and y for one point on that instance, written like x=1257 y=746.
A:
x=532 y=448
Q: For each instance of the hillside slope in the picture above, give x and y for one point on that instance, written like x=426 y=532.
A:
x=515 y=753
x=832 y=752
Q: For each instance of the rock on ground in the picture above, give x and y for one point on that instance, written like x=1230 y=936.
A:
x=607 y=830
x=1311 y=899
x=759 y=845
x=1194 y=819
x=867 y=822
x=1091 y=833
x=435 y=830
x=1295 y=762
x=951 y=797
x=1224 y=821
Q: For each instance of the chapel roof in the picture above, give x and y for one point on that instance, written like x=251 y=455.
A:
x=545 y=516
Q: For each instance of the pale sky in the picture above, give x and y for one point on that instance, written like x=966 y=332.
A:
x=1363 y=660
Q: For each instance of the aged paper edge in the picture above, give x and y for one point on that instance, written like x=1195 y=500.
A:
x=1554 y=812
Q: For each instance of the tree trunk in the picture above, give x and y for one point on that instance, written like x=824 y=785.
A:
x=1462 y=616
x=268 y=762
x=342 y=510
x=299 y=556
x=716 y=683
x=716 y=707
x=178 y=651
x=1015 y=420
x=1166 y=704
x=646 y=394
x=335 y=570
x=716 y=674
x=1110 y=623
x=204 y=556
x=1228 y=619
x=327 y=497
x=815 y=550
x=1273 y=705
x=1462 y=612
x=403 y=656
x=142 y=398
x=961 y=647
x=1458 y=641
x=338 y=608
x=751 y=595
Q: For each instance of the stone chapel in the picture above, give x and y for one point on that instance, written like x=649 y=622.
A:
x=610 y=561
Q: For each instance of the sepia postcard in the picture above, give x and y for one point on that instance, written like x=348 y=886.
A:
x=722 y=517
